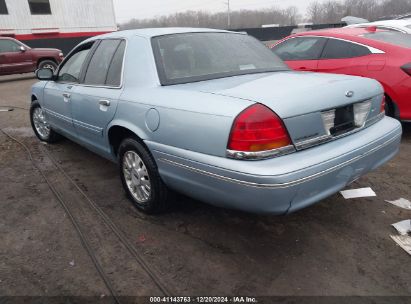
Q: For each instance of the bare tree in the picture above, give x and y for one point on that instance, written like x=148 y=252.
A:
x=329 y=11
x=239 y=19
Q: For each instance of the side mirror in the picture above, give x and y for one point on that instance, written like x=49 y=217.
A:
x=22 y=49
x=45 y=74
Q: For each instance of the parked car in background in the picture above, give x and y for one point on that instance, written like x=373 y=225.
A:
x=368 y=52
x=398 y=25
x=214 y=115
x=18 y=58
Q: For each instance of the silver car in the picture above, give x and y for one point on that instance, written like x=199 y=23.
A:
x=214 y=115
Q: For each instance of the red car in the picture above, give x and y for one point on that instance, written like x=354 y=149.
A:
x=368 y=52
x=17 y=58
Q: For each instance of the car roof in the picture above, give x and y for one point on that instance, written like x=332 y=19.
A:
x=154 y=32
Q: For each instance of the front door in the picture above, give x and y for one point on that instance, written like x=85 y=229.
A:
x=58 y=93
x=94 y=101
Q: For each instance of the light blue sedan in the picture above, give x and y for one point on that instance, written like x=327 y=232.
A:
x=214 y=115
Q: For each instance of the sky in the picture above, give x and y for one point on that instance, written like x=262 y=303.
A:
x=141 y=9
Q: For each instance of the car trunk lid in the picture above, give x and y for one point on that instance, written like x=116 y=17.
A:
x=314 y=107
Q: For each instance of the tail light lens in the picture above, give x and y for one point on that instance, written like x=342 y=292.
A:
x=258 y=129
x=407 y=68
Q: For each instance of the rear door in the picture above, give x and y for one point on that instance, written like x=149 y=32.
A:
x=94 y=101
x=344 y=57
x=301 y=53
x=12 y=59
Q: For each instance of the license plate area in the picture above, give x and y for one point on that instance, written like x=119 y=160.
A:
x=344 y=121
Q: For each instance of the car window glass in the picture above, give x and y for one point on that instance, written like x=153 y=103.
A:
x=9 y=46
x=339 y=49
x=189 y=57
x=116 y=66
x=70 y=71
x=394 y=38
x=100 y=62
x=302 y=48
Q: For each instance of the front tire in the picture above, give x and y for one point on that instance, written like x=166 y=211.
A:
x=40 y=125
x=140 y=177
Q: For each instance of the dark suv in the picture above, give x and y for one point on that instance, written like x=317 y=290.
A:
x=17 y=58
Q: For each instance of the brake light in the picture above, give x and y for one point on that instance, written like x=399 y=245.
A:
x=407 y=68
x=383 y=103
x=258 y=129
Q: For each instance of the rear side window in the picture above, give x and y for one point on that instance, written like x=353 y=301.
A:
x=301 y=48
x=399 y=39
x=3 y=8
x=98 y=69
x=116 y=66
x=339 y=49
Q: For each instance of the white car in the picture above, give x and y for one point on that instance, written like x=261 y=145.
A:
x=401 y=25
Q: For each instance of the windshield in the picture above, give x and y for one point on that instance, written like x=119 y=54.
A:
x=183 y=58
x=400 y=39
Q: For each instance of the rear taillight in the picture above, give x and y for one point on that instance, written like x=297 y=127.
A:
x=407 y=68
x=258 y=129
x=383 y=104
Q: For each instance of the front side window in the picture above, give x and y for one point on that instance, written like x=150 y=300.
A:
x=3 y=8
x=9 y=46
x=102 y=61
x=40 y=7
x=339 y=49
x=189 y=57
x=301 y=48
x=71 y=70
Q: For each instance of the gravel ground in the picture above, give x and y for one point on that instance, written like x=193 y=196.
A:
x=335 y=248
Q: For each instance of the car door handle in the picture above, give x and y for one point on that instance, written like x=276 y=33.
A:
x=105 y=103
x=66 y=95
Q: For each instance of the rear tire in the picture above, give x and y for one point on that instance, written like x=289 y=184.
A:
x=391 y=109
x=40 y=124
x=140 y=177
x=47 y=64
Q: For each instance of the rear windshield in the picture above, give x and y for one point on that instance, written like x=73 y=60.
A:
x=395 y=38
x=190 y=57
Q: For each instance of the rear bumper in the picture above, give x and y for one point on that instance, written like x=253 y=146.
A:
x=284 y=184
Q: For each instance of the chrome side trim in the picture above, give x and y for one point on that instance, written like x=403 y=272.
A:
x=88 y=127
x=281 y=185
x=260 y=155
x=59 y=116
